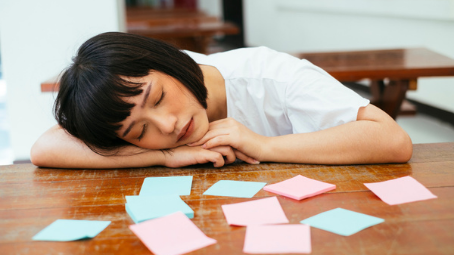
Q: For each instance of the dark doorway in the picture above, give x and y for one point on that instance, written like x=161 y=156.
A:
x=233 y=12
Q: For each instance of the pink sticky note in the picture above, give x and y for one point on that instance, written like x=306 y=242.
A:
x=171 y=234
x=299 y=187
x=400 y=190
x=292 y=238
x=257 y=212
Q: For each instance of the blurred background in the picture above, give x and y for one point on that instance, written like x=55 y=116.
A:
x=39 y=37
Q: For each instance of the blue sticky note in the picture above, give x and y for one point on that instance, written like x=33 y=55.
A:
x=70 y=230
x=174 y=185
x=342 y=222
x=235 y=188
x=142 y=208
x=131 y=214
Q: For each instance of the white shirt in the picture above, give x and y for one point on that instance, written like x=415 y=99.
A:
x=273 y=93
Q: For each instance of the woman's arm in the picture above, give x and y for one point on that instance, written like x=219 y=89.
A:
x=373 y=138
x=56 y=148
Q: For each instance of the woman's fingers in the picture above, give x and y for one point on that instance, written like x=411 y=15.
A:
x=185 y=155
x=245 y=158
x=217 y=128
x=222 y=140
x=209 y=135
x=220 y=123
x=230 y=155
x=227 y=152
x=215 y=157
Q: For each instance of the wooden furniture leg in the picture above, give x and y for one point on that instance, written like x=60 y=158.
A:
x=389 y=97
x=376 y=89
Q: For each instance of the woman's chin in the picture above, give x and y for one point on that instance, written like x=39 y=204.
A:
x=199 y=135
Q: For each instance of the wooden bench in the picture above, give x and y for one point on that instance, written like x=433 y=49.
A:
x=185 y=28
x=391 y=72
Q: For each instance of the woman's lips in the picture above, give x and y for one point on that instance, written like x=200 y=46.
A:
x=186 y=131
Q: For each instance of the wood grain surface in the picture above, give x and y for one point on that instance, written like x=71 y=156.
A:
x=397 y=64
x=31 y=198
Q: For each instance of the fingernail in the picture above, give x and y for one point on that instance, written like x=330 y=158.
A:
x=204 y=145
x=255 y=162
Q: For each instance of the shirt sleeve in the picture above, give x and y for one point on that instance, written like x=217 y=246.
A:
x=316 y=101
x=199 y=58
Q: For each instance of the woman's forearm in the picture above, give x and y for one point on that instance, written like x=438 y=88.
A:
x=56 y=148
x=373 y=138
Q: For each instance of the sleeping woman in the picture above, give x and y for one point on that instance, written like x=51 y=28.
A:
x=131 y=101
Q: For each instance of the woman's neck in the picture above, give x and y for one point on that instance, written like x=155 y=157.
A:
x=216 y=101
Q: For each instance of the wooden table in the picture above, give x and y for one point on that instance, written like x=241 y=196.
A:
x=187 y=29
x=31 y=198
x=392 y=72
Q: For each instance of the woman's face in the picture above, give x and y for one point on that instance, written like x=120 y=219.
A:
x=165 y=115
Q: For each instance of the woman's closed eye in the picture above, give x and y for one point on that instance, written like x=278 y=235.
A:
x=143 y=132
x=161 y=98
x=145 y=126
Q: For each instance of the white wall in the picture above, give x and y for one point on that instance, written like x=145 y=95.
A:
x=332 y=25
x=38 y=39
x=211 y=7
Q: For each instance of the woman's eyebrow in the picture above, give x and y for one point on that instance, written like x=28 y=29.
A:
x=129 y=128
x=144 y=100
x=145 y=95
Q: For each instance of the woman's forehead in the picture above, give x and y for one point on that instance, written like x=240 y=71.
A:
x=153 y=74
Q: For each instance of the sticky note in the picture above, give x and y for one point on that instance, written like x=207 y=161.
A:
x=173 y=185
x=400 y=190
x=235 y=188
x=299 y=187
x=70 y=230
x=142 y=208
x=257 y=212
x=269 y=239
x=171 y=234
x=342 y=222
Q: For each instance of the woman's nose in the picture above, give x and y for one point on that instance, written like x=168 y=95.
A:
x=165 y=123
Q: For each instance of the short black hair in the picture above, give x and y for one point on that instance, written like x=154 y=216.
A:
x=89 y=103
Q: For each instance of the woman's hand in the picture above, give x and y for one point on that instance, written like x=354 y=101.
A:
x=247 y=145
x=186 y=155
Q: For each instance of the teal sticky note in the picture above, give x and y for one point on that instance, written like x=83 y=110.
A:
x=142 y=208
x=131 y=214
x=235 y=188
x=174 y=185
x=70 y=230
x=342 y=222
